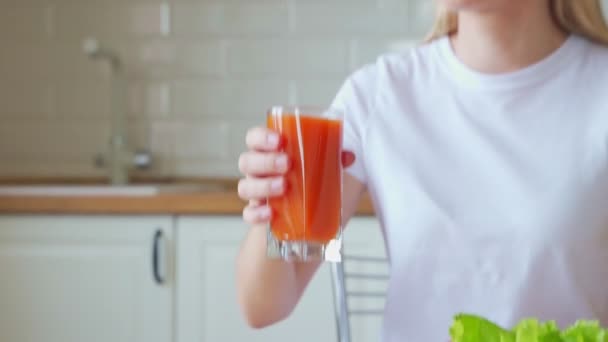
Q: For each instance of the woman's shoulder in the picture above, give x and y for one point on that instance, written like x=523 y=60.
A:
x=400 y=65
x=597 y=52
x=393 y=72
x=592 y=65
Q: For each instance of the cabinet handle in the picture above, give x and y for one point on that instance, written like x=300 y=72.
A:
x=156 y=258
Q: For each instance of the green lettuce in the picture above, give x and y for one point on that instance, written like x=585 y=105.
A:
x=472 y=328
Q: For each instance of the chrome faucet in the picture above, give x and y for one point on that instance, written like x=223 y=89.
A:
x=120 y=158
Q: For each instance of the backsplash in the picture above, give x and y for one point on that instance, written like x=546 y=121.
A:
x=200 y=73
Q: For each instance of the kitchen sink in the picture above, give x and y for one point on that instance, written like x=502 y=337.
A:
x=108 y=190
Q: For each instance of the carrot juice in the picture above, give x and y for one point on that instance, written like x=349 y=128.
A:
x=310 y=211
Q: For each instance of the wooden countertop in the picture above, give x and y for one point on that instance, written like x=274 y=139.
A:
x=207 y=203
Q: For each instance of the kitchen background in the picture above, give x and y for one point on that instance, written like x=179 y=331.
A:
x=199 y=73
x=84 y=261
x=155 y=262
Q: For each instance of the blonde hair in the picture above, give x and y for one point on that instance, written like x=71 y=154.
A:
x=583 y=17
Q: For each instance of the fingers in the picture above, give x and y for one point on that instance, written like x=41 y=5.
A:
x=254 y=163
x=259 y=189
x=348 y=158
x=262 y=139
x=257 y=214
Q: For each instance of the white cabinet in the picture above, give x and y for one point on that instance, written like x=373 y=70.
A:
x=206 y=305
x=91 y=278
x=75 y=279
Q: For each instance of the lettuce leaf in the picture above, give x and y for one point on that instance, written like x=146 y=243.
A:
x=530 y=330
x=584 y=331
x=472 y=328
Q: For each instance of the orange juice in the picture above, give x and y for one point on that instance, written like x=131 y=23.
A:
x=310 y=209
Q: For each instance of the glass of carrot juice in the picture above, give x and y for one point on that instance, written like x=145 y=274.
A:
x=306 y=222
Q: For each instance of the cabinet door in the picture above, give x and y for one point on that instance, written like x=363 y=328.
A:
x=75 y=279
x=206 y=305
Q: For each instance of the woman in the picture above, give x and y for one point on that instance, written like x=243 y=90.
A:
x=486 y=155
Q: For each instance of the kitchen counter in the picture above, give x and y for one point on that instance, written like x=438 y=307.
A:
x=216 y=202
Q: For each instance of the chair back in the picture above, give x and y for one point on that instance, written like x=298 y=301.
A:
x=359 y=289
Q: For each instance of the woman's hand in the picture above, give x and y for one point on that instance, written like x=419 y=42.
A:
x=269 y=290
x=264 y=167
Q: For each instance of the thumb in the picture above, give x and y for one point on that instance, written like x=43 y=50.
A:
x=348 y=158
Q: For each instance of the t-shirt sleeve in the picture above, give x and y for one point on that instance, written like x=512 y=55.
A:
x=354 y=99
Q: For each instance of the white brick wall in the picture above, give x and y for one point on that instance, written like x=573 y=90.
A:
x=200 y=73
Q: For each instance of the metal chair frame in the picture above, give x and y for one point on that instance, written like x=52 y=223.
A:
x=340 y=277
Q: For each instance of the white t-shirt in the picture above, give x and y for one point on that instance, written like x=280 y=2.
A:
x=492 y=190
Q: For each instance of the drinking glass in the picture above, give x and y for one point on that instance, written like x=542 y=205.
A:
x=306 y=221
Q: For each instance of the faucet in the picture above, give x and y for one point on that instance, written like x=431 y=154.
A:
x=120 y=158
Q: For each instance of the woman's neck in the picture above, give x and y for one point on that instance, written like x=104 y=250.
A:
x=508 y=39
